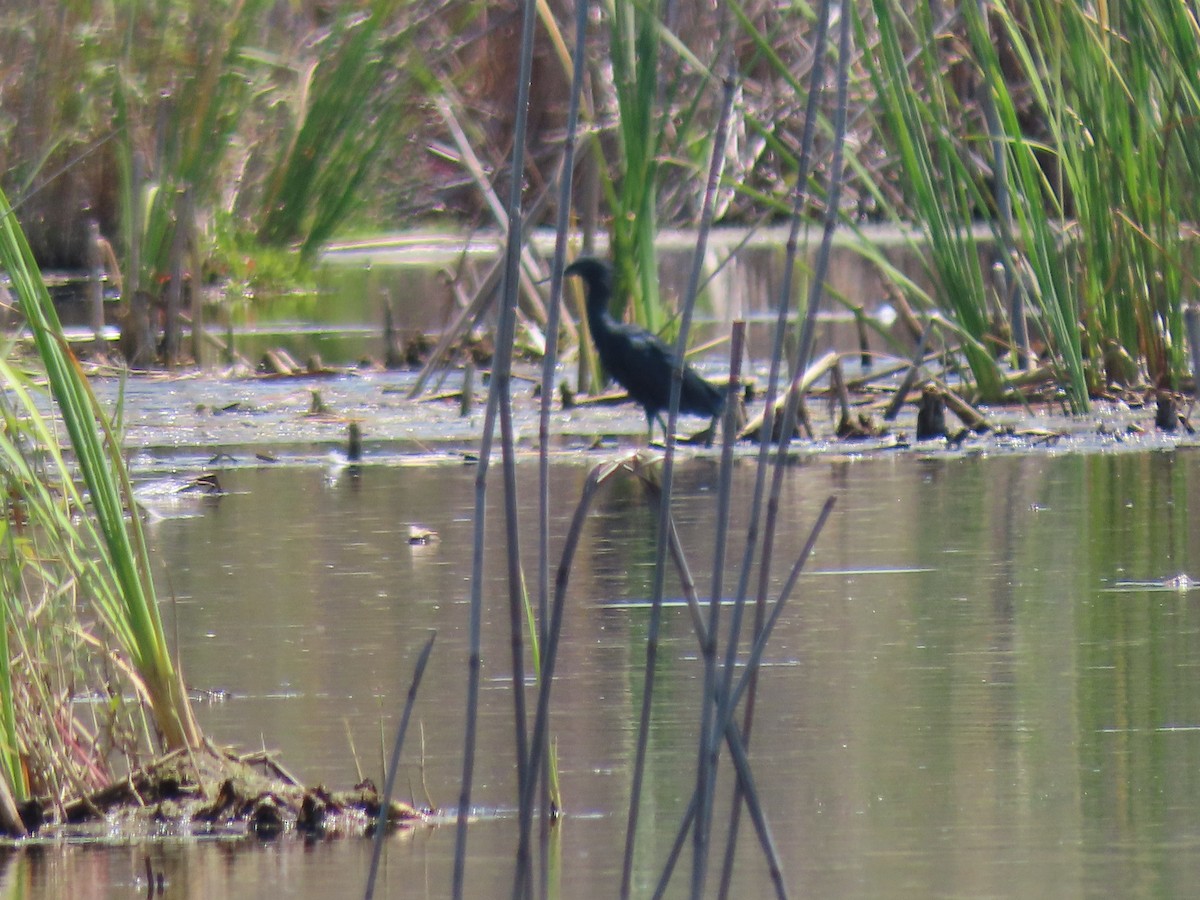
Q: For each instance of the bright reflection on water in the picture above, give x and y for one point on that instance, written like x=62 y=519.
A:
x=958 y=702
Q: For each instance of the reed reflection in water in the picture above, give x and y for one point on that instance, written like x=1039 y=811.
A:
x=986 y=684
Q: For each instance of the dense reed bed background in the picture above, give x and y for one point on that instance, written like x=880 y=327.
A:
x=1064 y=131
x=1039 y=154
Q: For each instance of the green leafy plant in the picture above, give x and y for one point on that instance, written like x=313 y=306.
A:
x=1091 y=114
x=633 y=193
x=1117 y=89
x=187 y=103
x=52 y=572
x=124 y=600
x=939 y=186
x=347 y=108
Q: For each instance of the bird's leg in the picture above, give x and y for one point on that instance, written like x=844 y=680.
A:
x=650 y=427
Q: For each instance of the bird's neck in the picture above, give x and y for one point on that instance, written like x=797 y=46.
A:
x=597 y=308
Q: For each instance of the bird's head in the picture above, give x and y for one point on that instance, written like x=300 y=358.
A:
x=596 y=274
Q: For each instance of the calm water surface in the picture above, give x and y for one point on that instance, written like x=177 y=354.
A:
x=983 y=687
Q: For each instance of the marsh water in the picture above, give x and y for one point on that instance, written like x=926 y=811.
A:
x=985 y=685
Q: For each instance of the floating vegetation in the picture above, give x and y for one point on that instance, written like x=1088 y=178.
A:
x=208 y=792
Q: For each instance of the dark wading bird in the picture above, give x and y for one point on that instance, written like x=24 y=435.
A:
x=638 y=360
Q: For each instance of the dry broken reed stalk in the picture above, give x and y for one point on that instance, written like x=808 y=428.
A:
x=393 y=768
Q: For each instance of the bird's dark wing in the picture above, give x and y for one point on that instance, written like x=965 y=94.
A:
x=700 y=396
x=642 y=364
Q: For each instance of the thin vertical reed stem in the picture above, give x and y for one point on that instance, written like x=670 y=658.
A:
x=1191 y=318
x=95 y=283
x=474 y=641
x=171 y=336
x=1008 y=248
x=470 y=312
x=832 y=200
x=639 y=759
x=550 y=358
x=664 y=517
x=816 y=291
x=498 y=396
x=804 y=349
x=596 y=478
x=799 y=201
x=726 y=729
x=746 y=785
x=754 y=658
x=709 y=648
x=385 y=801
x=706 y=775
x=502 y=374
x=741 y=763
x=539 y=753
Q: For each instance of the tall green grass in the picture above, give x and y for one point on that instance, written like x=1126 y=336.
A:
x=940 y=188
x=52 y=571
x=347 y=108
x=1095 y=112
x=124 y=599
x=1117 y=88
x=178 y=106
x=662 y=127
x=1037 y=242
x=635 y=41
x=271 y=120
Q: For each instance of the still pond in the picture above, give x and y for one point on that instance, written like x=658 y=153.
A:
x=986 y=684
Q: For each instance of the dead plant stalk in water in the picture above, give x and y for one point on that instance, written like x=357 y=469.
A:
x=499 y=400
x=385 y=801
x=789 y=417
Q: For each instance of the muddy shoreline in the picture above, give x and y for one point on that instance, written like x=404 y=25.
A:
x=213 y=420
x=213 y=793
